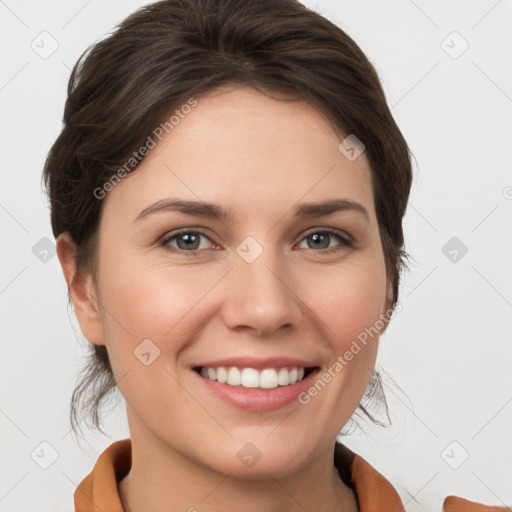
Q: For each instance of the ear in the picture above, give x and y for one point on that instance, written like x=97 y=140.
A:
x=81 y=291
x=389 y=296
x=387 y=306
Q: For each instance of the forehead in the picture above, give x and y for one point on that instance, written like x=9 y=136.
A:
x=240 y=148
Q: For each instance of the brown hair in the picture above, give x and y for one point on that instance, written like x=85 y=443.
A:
x=122 y=87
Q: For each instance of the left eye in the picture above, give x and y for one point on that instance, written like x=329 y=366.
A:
x=319 y=239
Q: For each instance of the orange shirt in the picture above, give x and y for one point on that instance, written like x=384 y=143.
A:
x=98 y=491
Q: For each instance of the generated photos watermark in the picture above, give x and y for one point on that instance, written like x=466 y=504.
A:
x=343 y=359
x=151 y=143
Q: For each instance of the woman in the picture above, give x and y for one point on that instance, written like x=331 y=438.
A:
x=208 y=148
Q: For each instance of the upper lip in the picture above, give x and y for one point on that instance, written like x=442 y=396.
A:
x=258 y=363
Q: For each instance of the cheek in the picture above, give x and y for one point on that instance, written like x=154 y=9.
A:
x=142 y=295
x=151 y=316
x=348 y=300
x=153 y=301
x=349 y=303
x=349 y=313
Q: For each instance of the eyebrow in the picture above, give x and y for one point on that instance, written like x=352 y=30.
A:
x=215 y=211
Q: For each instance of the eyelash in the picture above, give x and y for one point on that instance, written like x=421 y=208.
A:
x=345 y=241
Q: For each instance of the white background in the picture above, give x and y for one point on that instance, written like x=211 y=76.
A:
x=449 y=349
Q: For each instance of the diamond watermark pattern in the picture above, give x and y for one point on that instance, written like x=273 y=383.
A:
x=351 y=147
x=146 y=352
x=454 y=455
x=249 y=455
x=44 y=249
x=44 y=455
x=249 y=250
x=454 y=45
x=45 y=45
x=454 y=249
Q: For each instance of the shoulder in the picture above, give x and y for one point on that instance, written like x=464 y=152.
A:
x=375 y=492
x=456 y=504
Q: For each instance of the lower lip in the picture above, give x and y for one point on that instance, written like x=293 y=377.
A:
x=256 y=399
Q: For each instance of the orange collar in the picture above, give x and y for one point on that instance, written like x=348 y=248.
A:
x=98 y=491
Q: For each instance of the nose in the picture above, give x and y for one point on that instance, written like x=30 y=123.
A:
x=260 y=297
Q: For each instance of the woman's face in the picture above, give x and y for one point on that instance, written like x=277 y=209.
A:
x=262 y=288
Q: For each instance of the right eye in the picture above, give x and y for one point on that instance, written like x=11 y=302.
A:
x=188 y=242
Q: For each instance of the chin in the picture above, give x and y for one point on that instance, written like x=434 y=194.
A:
x=259 y=457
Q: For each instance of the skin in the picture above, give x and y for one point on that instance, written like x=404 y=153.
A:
x=259 y=157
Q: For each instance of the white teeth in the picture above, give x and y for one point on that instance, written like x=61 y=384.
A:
x=250 y=378
x=234 y=377
x=268 y=378
x=222 y=375
x=283 y=378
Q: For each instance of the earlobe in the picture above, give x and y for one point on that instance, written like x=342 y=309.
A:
x=389 y=296
x=386 y=313
x=81 y=291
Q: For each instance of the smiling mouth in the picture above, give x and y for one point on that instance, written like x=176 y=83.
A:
x=267 y=378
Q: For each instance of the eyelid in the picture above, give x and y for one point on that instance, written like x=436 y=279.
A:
x=333 y=231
